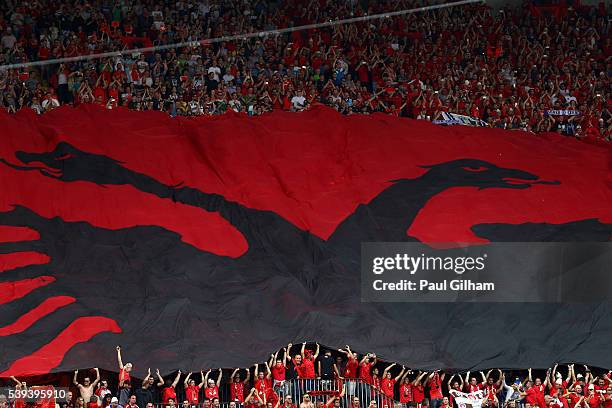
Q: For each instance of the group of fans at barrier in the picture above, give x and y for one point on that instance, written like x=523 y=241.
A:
x=514 y=68
x=298 y=376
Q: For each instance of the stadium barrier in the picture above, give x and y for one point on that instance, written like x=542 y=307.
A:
x=319 y=390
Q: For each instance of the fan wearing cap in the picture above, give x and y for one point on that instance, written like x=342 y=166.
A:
x=192 y=390
x=579 y=379
x=212 y=388
x=115 y=403
x=592 y=399
x=556 y=381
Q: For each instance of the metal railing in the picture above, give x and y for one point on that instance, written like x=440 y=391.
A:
x=318 y=390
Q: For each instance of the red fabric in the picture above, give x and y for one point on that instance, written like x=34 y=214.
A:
x=356 y=157
x=48 y=306
x=50 y=355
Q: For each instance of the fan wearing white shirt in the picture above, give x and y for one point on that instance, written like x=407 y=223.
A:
x=298 y=102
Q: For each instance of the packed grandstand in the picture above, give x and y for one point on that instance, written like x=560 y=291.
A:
x=203 y=240
x=309 y=376
x=526 y=66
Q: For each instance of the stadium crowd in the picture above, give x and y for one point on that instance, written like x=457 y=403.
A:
x=516 y=68
x=290 y=376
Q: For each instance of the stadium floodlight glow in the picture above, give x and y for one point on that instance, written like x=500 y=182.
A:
x=195 y=43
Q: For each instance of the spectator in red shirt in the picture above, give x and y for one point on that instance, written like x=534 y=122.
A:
x=472 y=384
x=387 y=385
x=535 y=392
x=608 y=398
x=279 y=370
x=308 y=361
x=169 y=392
x=365 y=367
x=212 y=389
x=602 y=383
x=263 y=381
x=304 y=367
x=124 y=370
x=418 y=389
x=350 y=369
x=375 y=383
x=492 y=387
x=556 y=400
x=334 y=401
x=558 y=382
x=576 y=395
x=253 y=400
x=593 y=399
x=434 y=382
x=192 y=391
x=405 y=390
x=237 y=386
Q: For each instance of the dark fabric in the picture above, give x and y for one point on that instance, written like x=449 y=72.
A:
x=212 y=242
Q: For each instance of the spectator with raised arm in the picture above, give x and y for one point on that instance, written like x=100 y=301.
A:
x=169 y=392
x=192 y=391
x=238 y=386
x=86 y=390
x=124 y=370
